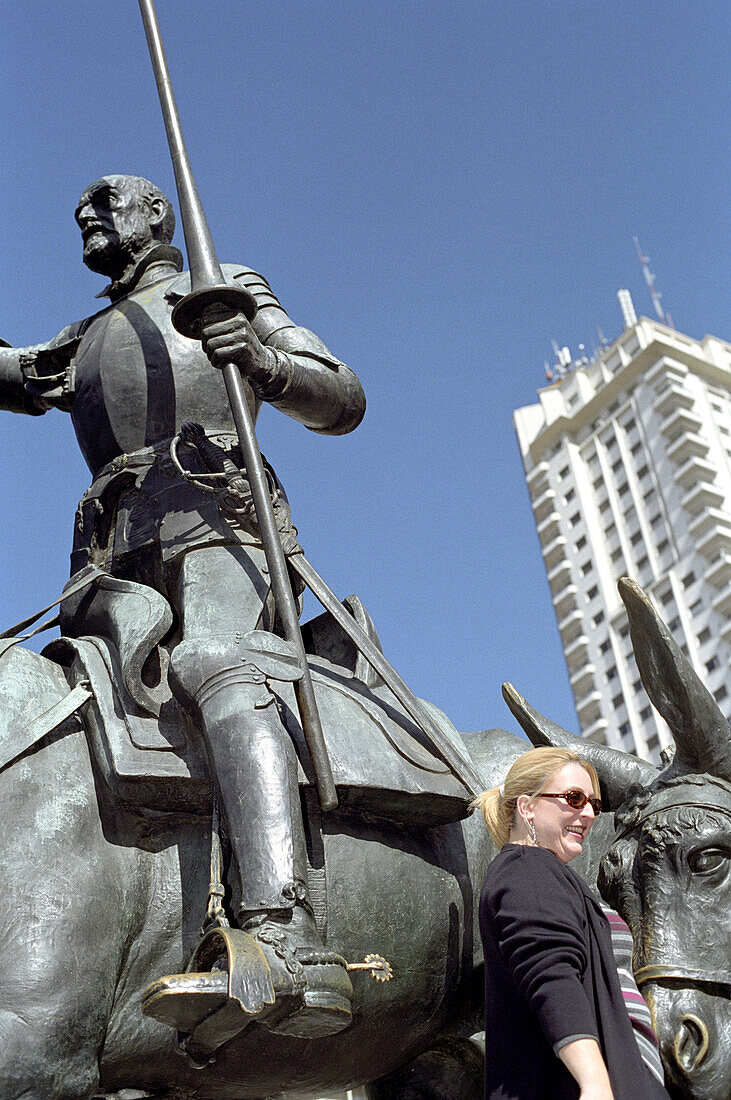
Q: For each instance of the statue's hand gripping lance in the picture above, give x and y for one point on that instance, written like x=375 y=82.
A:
x=212 y=299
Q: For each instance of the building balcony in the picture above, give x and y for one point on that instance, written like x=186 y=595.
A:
x=702 y=496
x=674 y=397
x=722 y=604
x=712 y=517
x=543 y=504
x=570 y=626
x=583 y=680
x=693 y=470
x=577 y=653
x=549 y=528
x=597 y=731
x=589 y=708
x=537 y=476
x=719 y=571
x=554 y=553
x=680 y=421
x=687 y=446
x=559 y=577
x=674 y=372
x=714 y=540
x=565 y=601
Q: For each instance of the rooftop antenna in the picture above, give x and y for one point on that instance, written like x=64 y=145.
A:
x=650 y=280
x=627 y=306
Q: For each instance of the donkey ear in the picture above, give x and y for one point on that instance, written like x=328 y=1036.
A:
x=617 y=770
x=702 y=733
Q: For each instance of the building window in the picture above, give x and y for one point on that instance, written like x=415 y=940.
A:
x=636 y=449
x=569 y=496
x=563 y=472
x=617 y=701
x=637 y=537
x=688 y=579
x=616 y=465
x=573 y=520
x=643 y=562
x=603 y=506
x=637 y=685
x=612 y=672
x=624 y=729
x=674 y=624
x=624 y=632
x=704 y=636
x=713 y=664
x=581 y=543
x=643 y=470
x=653 y=743
x=696 y=607
x=599 y=618
x=662 y=546
x=623 y=488
x=720 y=694
x=585 y=568
x=666 y=597
x=605 y=646
x=656 y=521
x=616 y=554
x=645 y=713
x=593 y=592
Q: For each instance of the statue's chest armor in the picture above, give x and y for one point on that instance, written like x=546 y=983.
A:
x=136 y=380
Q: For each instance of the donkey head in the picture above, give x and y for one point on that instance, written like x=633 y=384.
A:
x=668 y=868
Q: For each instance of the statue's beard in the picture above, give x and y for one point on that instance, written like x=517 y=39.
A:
x=108 y=254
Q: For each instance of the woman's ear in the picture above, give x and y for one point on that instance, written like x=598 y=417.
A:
x=524 y=806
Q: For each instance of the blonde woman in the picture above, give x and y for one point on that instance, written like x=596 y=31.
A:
x=556 y=1027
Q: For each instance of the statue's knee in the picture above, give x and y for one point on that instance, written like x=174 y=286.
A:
x=203 y=666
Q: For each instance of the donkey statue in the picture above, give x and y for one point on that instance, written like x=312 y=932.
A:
x=668 y=866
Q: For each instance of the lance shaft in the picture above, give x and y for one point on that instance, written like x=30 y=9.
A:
x=211 y=299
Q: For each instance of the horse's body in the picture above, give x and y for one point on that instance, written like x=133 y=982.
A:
x=95 y=903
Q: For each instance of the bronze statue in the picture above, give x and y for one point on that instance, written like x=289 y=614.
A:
x=130 y=384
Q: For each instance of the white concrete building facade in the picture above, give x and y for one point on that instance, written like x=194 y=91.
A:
x=628 y=465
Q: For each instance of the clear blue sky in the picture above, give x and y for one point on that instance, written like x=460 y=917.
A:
x=437 y=189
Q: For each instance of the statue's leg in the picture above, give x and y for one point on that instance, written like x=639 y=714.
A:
x=220 y=599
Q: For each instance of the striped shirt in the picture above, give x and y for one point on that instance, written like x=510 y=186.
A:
x=634 y=1002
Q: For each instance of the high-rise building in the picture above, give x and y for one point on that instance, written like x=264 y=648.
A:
x=628 y=462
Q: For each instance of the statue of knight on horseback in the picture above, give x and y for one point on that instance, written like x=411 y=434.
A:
x=163 y=387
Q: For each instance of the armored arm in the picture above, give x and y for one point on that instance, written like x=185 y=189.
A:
x=301 y=377
x=14 y=396
x=39 y=377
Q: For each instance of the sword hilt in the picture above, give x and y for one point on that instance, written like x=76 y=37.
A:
x=205 y=304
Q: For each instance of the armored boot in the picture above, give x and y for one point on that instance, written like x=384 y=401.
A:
x=255 y=767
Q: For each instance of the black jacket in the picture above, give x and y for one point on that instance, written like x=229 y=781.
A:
x=550 y=975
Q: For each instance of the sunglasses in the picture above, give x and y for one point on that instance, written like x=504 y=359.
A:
x=577 y=800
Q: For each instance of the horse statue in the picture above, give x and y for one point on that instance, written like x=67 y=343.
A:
x=104 y=880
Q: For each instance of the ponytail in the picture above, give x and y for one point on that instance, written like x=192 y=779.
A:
x=497 y=812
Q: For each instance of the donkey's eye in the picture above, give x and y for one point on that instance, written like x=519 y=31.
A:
x=707 y=860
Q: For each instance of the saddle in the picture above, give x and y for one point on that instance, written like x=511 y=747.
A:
x=151 y=756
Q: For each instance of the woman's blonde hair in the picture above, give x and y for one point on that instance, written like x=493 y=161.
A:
x=529 y=775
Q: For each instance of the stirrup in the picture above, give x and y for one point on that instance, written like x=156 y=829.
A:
x=208 y=1004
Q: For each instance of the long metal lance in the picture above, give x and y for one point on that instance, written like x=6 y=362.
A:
x=211 y=299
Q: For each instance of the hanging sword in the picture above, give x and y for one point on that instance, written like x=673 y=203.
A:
x=212 y=299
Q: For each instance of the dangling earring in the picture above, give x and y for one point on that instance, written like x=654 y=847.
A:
x=532 y=830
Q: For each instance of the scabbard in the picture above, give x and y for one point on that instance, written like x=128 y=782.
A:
x=414 y=707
